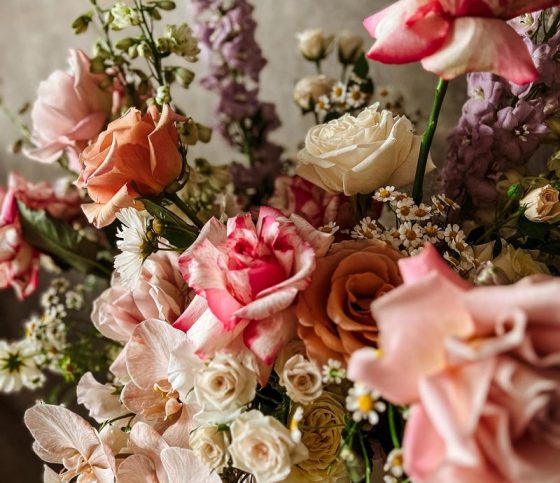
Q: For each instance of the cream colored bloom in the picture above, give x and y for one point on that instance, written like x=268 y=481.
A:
x=222 y=389
x=314 y=45
x=302 y=379
x=542 y=205
x=353 y=155
x=350 y=47
x=517 y=263
x=311 y=89
x=211 y=446
x=262 y=446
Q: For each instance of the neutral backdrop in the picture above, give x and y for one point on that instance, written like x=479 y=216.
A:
x=35 y=36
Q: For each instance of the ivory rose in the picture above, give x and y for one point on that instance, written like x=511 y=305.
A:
x=480 y=368
x=160 y=293
x=137 y=155
x=309 y=89
x=70 y=111
x=333 y=312
x=454 y=37
x=542 y=205
x=246 y=278
x=211 y=446
x=353 y=155
x=314 y=45
x=302 y=379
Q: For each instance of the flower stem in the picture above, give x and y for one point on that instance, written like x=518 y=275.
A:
x=186 y=209
x=392 y=426
x=427 y=138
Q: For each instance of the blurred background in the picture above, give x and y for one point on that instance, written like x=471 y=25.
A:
x=36 y=36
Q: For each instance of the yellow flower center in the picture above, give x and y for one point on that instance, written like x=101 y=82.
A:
x=365 y=403
x=384 y=194
x=411 y=235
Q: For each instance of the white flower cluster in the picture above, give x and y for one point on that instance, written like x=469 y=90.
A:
x=416 y=225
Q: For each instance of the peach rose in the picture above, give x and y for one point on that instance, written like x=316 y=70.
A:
x=542 y=205
x=71 y=110
x=137 y=155
x=333 y=312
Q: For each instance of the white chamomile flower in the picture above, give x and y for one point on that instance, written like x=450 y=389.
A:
x=421 y=212
x=331 y=228
x=442 y=203
x=50 y=297
x=367 y=229
x=295 y=432
x=17 y=366
x=394 y=466
x=322 y=105
x=411 y=234
x=453 y=233
x=364 y=403
x=134 y=245
x=412 y=252
x=338 y=93
x=74 y=300
x=403 y=209
x=393 y=237
x=432 y=233
x=387 y=193
x=355 y=96
x=333 y=372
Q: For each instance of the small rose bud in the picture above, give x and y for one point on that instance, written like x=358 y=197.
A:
x=542 y=205
x=350 y=47
x=515 y=191
x=314 y=45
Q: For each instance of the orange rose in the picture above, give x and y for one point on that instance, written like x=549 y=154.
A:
x=334 y=311
x=137 y=155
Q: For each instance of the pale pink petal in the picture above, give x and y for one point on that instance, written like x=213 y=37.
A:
x=137 y=468
x=50 y=476
x=103 y=214
x=183 y=466
x=183 y=367
x=193 y=312
x=319 y=240
x=178 y=433
x=146 y=441
x=266 y=306
x=100 y=399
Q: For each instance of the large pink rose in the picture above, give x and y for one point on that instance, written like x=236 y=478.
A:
x=161 y=293
x=19 y=261
x=452 y=37
x=293 y=194
x=481 y=369
x=70 y=111
x=246 y=278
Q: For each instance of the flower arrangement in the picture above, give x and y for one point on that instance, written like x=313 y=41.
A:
x=292 y=320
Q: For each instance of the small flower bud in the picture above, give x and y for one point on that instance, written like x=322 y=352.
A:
x=15 y=148
x=158 y=226
x=166 y=4
x=163 y=95
x=126 y=43
x=123 y=16
x=314 y=45
x=184 y=76
x=350 y=47
x=515 y=191
x=164 y=45
x=81 y=24
x=97 y=66
x=204 y=133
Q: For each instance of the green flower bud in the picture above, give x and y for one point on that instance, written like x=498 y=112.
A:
x=515 y=191
x=204 y=133
x=125 y=44
x=184 y=76
x=97 y=66
x=163 y=95
x=154 y=13
x=81 y=24
x=166 y=4
x=164 y=45
x=133 y=52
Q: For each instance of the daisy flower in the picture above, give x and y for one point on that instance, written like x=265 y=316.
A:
x=295 y=432
x=453 y=233
x=333 y=372
x=394 y=465
x=442 y=203
x=393 y=237
x=331 y=228
x=134 y=245
x=322 y=105
x=387 y=193
x=421 y=212
x=411 y=235
x=433 y=233
x=355 y=96
x=364 y=404
x=338 y=93
x=17 y=366
x=403 y=209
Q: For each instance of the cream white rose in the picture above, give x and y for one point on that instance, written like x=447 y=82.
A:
x=302 y=379
x=353 y=155
x=211 y=446
x=350 y=47
x=314 y=44
x=222 y=389
x=311 y=88
x=542 y=205
x=262 y=446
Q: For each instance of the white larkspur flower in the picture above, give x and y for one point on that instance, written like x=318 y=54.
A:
x=355 y=97
x=394 y=465
x=411 y=235
x=387 y=193
x=133 y=244
x=364 y=404
x=338 y=93
x=333 y=372
x=295 y=432
x=17 y=366
x=322 y=105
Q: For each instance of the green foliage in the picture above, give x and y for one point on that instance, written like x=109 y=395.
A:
x=361 y=67
x=537 y=231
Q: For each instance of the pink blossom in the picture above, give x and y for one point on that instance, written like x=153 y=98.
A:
x=246 y=278
x=452 y=37
x=71 y=110
x=293 y=194
x=160 y=293
x=480 y=367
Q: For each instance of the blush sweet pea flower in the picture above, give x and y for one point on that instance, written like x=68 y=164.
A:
x=480 y=368
x=246 y=278
x=70 y=111
x=137 y=155
x=452 y=37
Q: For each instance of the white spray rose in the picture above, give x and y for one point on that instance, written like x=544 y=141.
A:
x=353 y=155
x=350 y=47
x=262 y=446
x=210 y=445
x=302 y=379
x=222 y=389
x=314 y=44
x=311 y=88
x=542 y=205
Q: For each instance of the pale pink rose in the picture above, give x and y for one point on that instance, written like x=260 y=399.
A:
x=479 y=366
x=66 y=439
x=19 y=261
x=293 y=194
x=452 y=37
x=70 y=111
x=247 y=278
x=161 y=293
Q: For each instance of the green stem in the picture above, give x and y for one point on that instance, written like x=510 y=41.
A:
x=366 y=457
x=427 y=138
x=186 y=209
x=392 y=426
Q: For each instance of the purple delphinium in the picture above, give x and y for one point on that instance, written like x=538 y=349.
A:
x=227 y=31
x=502 y=125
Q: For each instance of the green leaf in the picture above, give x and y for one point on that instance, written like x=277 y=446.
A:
x=361 y=67
x=162 y=213
x=538 y=231
x=61 y=241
